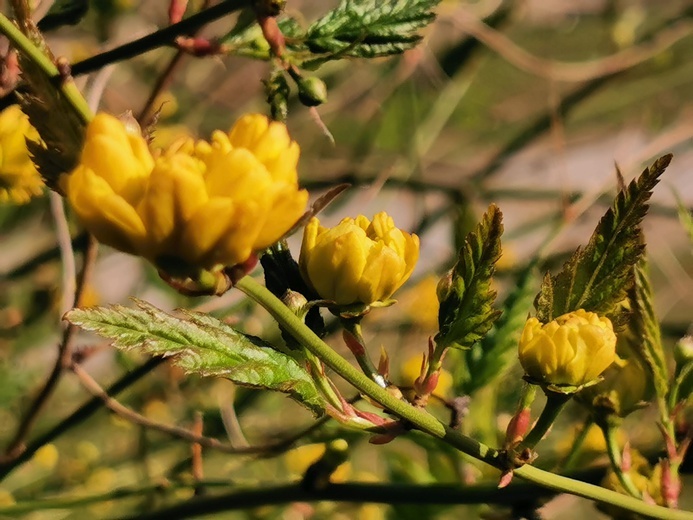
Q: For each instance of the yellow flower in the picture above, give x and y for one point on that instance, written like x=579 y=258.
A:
x=47 y=456
x=573 y=349
x=19 y=179
x=195 y=205
x=357 y=261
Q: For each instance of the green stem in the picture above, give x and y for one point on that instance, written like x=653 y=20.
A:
x=429 y=424
x=27 y=48
x=159 y=38
x=614 y=452
x=572 y=456
x=555 y=402
x=352 y=326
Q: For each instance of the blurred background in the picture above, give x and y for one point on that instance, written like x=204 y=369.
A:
x=533 y=105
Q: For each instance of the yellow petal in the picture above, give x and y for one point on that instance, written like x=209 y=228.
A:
x=105 y=214
x=248 y=130
x=382 y=274
x=236 y=243
x=238 y=175
x=288 y=207
x=176 y=191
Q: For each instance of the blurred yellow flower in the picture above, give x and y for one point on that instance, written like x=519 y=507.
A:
x=6 y=498
x=195 y=205
x=411 y=369
x=19 y=179
x=298 y=460
x=357 y=261
x=421 y=304
x=46 y=456
x=573 y=349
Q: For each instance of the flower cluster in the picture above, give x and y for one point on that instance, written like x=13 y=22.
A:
x=19 y=179
x=574 y=349
x=357 y=261
x=194 y=205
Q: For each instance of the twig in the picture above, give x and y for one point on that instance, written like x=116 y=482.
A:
x=565 y=71
x=164 y=80
x=16 y=446
x=159 y=38
x=129 y=415
x=355 y=493
x=196 y=452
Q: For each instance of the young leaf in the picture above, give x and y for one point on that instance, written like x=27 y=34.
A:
x=596 y=278
x=647 y=330
x=370 y=28
x=202 y=345
x=466 y=311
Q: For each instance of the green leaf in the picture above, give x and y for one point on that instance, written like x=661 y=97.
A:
x=201 y=344
x=64 y=12
x=490 y=359
x=597 y=277
x=646 y=329
x=466 y=312
x=370 y=28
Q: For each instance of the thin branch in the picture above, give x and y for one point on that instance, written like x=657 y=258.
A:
x=157 y=39
x=164 y=80
x=181 y=433
x=565 y=71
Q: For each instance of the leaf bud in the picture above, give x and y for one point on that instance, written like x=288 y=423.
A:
x=312 y=91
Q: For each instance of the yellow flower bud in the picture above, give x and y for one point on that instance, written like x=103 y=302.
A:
x=194 y=205
x=573 y=349
x=19 y=179
x=357 y=261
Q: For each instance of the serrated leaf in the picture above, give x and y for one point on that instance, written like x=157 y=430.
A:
x=647 y=330
x=466 y=313
x=369 y=28
x=61 y=137
x=490 y=359
x=202 y=345
x=597 y=277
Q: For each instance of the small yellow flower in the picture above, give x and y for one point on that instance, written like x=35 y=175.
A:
x=47 y=456
x=357 y=261
x=573 y=349
x=19 y=179
x=196 y=204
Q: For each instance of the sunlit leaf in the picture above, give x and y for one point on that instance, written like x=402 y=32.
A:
x=201 y=344
x=466 y=311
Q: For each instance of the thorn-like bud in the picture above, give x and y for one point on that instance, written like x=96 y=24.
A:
x=444 y=286
x=312 y=91
x=518 y=427
x=296 y=302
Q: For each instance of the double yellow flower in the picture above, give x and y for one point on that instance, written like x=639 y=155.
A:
x=195 y=205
